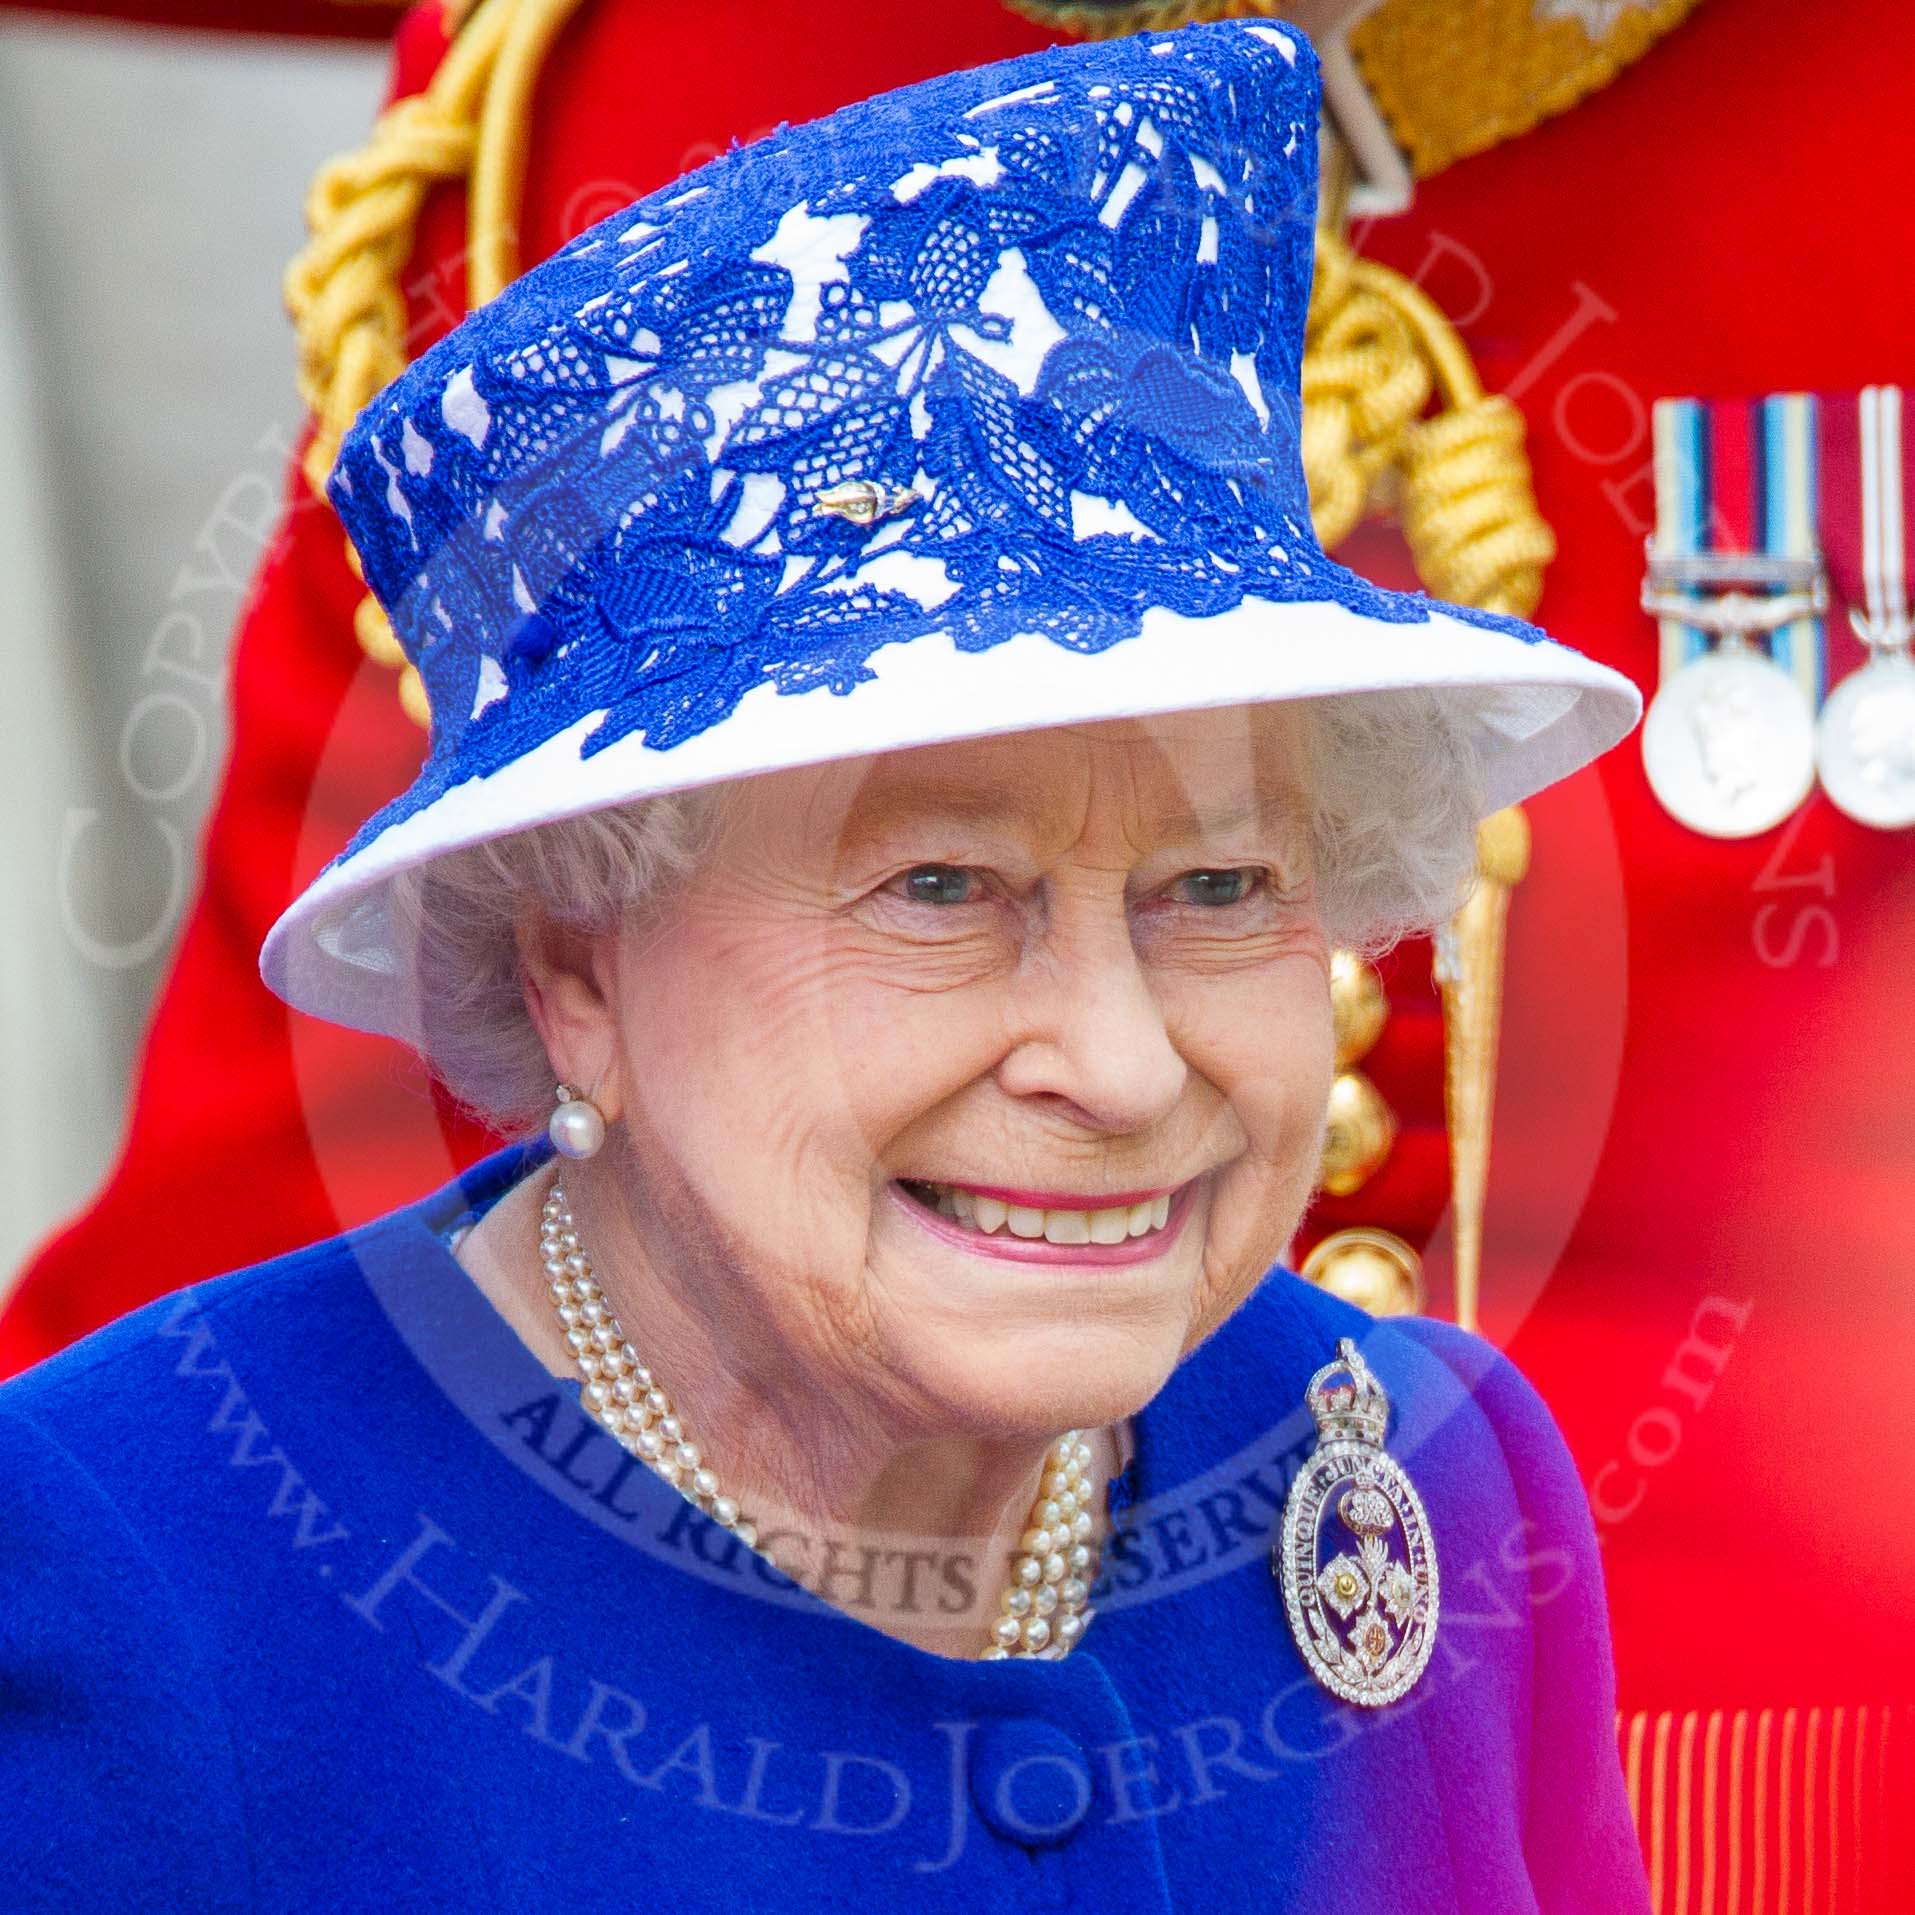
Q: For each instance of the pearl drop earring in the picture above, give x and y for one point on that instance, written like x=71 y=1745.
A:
x=577 y=1127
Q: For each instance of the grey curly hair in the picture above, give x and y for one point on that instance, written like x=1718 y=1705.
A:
x=1395 y=788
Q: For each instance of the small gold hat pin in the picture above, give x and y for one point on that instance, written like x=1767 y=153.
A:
x=865 y=501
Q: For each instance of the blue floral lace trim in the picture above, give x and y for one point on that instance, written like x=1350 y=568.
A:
x=599 y=494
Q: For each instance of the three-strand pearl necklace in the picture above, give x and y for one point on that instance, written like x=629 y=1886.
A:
x=1044 y=1610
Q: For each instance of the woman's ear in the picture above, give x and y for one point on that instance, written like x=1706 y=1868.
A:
x=567 y=977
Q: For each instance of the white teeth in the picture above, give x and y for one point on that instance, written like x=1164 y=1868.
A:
x=1114 y=1225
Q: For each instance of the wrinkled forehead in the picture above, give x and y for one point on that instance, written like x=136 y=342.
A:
x=1162 y=780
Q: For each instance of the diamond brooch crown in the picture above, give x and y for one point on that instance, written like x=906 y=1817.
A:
x=1347 y=1400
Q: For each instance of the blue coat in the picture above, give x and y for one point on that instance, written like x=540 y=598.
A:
x=318 y=1591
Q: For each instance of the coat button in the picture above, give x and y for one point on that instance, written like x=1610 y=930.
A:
x=1030 y=1781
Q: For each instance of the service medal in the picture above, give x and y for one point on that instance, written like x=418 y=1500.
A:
x=1865 y=745
x=1729 y=742
x=1355 y=1558
x=1738 y=583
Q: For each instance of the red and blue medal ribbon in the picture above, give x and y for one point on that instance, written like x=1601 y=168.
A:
x=1742 y=476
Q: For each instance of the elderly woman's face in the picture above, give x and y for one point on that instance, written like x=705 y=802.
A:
x=986 y=1078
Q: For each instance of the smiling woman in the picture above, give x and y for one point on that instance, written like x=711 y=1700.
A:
x=986 y=1003
x=900 y=765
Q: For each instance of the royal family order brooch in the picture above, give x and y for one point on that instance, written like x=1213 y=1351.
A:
x=1356 y=1561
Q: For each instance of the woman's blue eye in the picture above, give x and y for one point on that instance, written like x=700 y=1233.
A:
x=938 y=884
x=948 y=884
x=1215 y=887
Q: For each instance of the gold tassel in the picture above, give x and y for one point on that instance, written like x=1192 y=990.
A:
x=1469 y=972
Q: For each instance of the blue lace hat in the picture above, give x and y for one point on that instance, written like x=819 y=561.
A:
x=971 y=408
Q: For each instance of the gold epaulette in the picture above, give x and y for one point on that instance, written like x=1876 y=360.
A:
x=1451 y=77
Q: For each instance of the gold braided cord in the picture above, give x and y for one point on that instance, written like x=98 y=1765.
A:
x=344 y=288
x=1364 y=385
x=503 y=144
x=1469 y=512
x=1376 y=349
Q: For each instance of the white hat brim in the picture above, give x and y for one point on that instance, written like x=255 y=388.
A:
x=1540 y=711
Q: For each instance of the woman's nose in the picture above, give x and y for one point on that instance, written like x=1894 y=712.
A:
x=1091 y=1033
